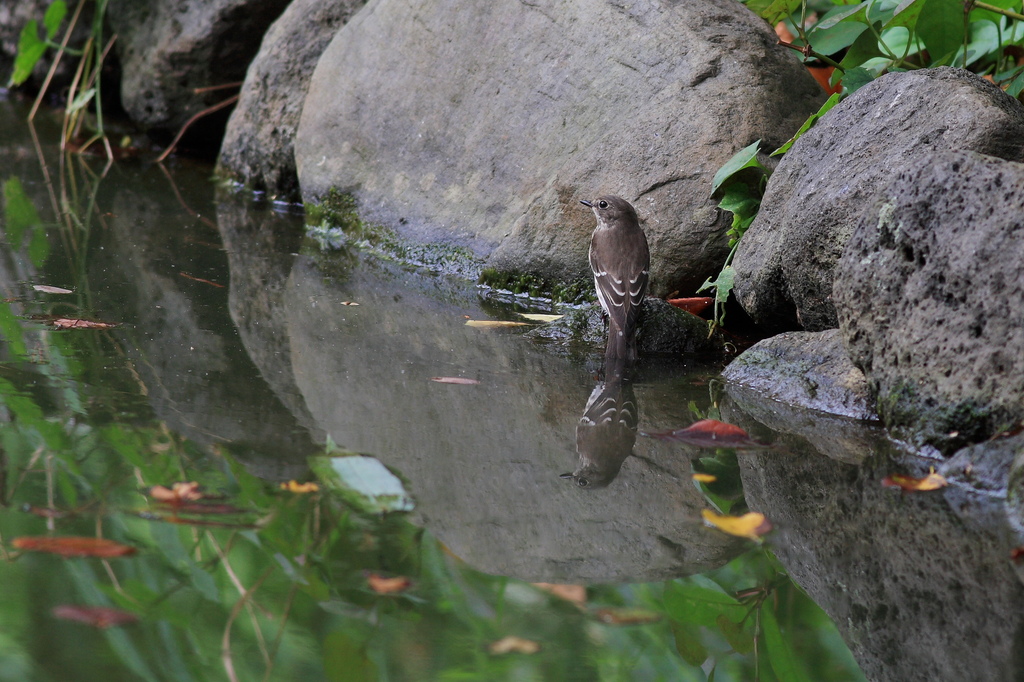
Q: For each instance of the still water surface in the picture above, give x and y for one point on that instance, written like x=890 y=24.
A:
x=245 y=357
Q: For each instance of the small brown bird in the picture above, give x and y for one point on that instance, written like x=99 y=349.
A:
x=621 y=261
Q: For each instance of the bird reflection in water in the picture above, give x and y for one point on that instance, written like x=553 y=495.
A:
x=607 y=430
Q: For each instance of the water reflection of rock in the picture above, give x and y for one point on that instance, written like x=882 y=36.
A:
x=149 y=258
x=919 y=591
x=482 y=461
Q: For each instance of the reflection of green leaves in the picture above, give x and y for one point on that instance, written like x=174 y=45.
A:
x=363 y=481
x=701 y=601
x=688 y=644
x=21 y=218
x=778 y=649
x=12 y=332
x=346 y=661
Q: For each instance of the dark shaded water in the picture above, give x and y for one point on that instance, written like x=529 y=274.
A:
x=240 y=362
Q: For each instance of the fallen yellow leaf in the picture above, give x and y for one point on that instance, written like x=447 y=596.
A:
x=302 y=488
x=705 y=478
x=541 y=317
x=493 y=324
x=932 y=481
x=751 y=525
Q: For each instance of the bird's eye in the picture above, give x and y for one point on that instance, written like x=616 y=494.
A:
x=602 y=204
x=582 y=482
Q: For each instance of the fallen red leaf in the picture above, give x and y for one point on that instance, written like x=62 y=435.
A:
x=932 y=481
x=694 y=306
x=710 y=433
x=44 y=512
x=71 y=546
x=382 y=585
x=97 y=616
x=1017 y=554
x=67 y=323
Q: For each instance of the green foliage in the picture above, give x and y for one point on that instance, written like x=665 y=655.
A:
x=863 y=40
x=31 y=47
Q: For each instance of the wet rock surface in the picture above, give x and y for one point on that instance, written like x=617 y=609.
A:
x=930 y=296
x=832 y=176
x=414 y=107
x=805 y=369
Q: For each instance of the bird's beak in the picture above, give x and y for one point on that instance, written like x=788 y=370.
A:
x=586 y=203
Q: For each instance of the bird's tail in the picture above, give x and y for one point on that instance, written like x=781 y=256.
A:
x=621 y=342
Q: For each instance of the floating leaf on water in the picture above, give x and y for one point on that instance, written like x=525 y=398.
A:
x=364 y=481
x=47 y=289
x=513 y=645
x=627 y=616
x=349 y=303
x=710 y=433
x=705 y=478
x=932 y=481
x=71 y=546
x=300 y=488
x=494 y=324
x=576 y=594
x=541 y=317
x=694 y=306
x=455 y=380
x=67 y=323
x=751 y=525
x=97 y=616
x=382 y=585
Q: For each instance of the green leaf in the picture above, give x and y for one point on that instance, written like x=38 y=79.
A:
x=811 y=120
x=906 y=14
x=722 y=285
x=773 y=11
x=1016 y=85
x=855 y=79
x=740 y=638
x=744 y=158
x=858 y=13
x=55 y=14
x=863 y=49
x=780 y=654
x=941 y=28
x=831 y=40
x=30 y=51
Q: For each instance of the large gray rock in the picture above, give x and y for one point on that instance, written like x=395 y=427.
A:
x=258 y=148
x=930 y=297
x=805 y=369
x=168 y=48
x=832 y=175
x=485 y=123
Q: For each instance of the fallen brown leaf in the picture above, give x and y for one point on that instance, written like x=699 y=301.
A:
x=455 y=380
x=576 y=594
x=68 y=323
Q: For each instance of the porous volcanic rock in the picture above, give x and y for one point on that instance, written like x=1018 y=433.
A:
x=930 y=298
x=833 y=174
